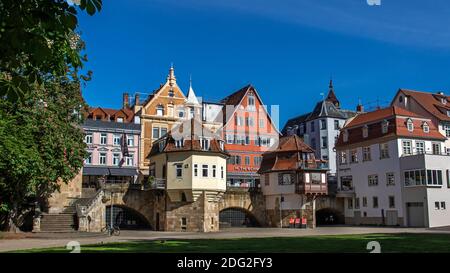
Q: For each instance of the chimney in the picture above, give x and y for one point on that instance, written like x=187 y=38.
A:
x=126 y=101
x=359 y=108
x=136 y=99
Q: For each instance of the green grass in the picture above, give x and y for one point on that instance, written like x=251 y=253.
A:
x=331 y=244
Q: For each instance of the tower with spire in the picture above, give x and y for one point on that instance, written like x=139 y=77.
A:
x=192 y=103
x=331 y=97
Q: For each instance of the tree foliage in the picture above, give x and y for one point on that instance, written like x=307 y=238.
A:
x=41 y=144
x=38 y=40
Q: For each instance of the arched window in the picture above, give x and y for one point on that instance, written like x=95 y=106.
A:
x=410 y=125
x=425 y=127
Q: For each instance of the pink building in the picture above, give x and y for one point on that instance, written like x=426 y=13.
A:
x=112 y=137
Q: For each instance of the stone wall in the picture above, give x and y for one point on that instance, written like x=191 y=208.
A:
x=250 y=200
x=67 y=194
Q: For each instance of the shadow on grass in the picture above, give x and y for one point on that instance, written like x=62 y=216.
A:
x=390 y=243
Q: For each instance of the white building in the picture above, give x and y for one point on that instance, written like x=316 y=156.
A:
x=392 y=170
x=320 y=128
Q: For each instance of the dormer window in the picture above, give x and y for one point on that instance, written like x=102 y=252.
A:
x=160 y=110
x=345 y=135
x=426 y=127
x=365 y=131
x=410 y=125
x=120 y=120
x=444 y=101
x=179 y=143
x=205 y=144
x=385 y=127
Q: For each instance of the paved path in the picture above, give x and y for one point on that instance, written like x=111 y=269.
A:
x=44 y=240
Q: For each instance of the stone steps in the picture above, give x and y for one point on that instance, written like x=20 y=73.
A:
x=58 y=222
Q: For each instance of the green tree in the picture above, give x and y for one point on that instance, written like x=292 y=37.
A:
x=41 y=144
x=38 y=40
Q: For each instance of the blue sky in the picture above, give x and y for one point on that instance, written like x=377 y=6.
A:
x=287 y=49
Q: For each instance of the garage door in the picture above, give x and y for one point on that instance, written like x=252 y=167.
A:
x=416 y=214
x=391 y=217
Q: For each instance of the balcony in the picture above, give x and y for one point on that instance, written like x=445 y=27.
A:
x=157 y=184
x=345 y=191
x=311 y=188
x=313 y=164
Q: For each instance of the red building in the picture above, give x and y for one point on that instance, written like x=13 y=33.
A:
x=248 y=131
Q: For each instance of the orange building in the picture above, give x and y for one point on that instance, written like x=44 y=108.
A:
x=248 y=131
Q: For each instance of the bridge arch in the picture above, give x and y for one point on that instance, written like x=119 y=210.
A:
x=237 y=217
x=126 y=217
x=329 y=216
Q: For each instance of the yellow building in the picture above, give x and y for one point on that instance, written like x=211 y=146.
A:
x=191 y=167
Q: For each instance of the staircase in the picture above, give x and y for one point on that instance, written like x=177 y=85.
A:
x=59 y=222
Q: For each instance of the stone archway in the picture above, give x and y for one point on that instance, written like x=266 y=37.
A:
x=329 y=216
x=126 y=218
x=237 y=217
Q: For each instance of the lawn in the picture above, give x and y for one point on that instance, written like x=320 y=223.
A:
x=330 y=244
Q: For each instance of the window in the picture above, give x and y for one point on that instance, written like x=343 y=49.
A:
x=205 y=144
x=266 y=179
x=364 y=201
x=390 y=179
x=155 y=133
x=160 y=110
x=443 y=205
x=448 y=178
x=312 y=126
x=375 y=202
x=407 y=150
x=365 y=131
x=391 y=202
x=384 y=127
x=191 y=112
x=420 y=147
x=350 y=203
x=103 y=139
x=88 y=160
x=205 y=170
x=285 y=179
x=130 y=160
x=247 y=140
x=235 y=159
x=163 y=132
x=249 y=121
x=171 y=93
x=179 y=170
x=116 y=159
x=336 y=125
x=251 y=100
x=373 y=180
x=436 y=148
x=423 y=177
x=447 y=130
x=183 y=219
x=116 y=140
x=247 y=160
x=323 y=124
x=195 y=169
x=229 y=138
x=357 y=203
x=102 y=159
x=313 y=143
x=436 y=205
x=257 y=160
x=221 y=172
x=261 y=123
x=384 y=150
x=120 y=120
x=88 y=138
x=181 y=114
x=179 y=143
x=130 y=140
x=214 y=170
x=239 y=120
x=426 y=127
x=400 y=99
x=366 y=154
x=410 y=125
x=354 y=156
x=324 y=142
x=343 y=157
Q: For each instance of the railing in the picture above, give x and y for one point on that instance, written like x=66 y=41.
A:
x=346 y=189
x=84 y=209
x=313 y=164
x=159 y=183
x=311 y=188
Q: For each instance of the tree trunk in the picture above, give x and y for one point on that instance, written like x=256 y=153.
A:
x=13 y=217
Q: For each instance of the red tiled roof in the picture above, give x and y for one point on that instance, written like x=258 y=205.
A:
x=397 y=119
x=237 y=96
x=112 y=112
x=431 y=102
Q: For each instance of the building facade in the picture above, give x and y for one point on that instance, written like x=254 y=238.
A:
x=291 y=181
x=248 y=131
x=320 y=128
x=392 y=170
x=191 y=168
x=112 y=139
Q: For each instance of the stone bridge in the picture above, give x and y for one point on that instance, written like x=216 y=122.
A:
x=149 y=205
